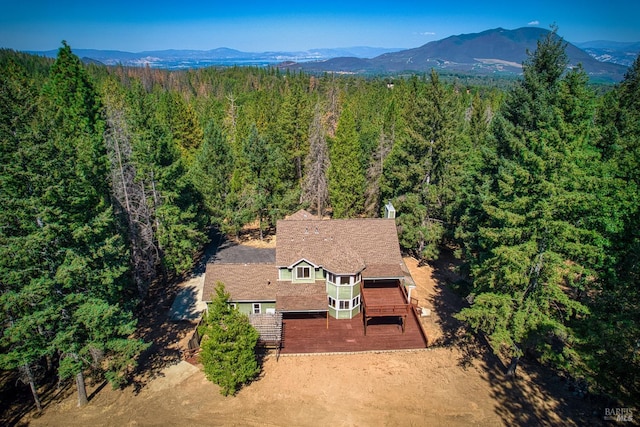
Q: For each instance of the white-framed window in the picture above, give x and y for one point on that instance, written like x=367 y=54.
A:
x=257 y=308
x=233 y=305
x=303 y=272
x=332 y=302
x=331 y=277
x=356 y=301
x=358 y=277
x=345 y=280
x=344 y=304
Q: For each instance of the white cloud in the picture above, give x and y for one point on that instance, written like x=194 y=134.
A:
x=536 y=22
x=427 y=33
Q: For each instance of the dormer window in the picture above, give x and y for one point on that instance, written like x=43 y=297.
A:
x=303 y=272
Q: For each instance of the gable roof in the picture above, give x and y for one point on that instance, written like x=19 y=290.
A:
x=245 y=282
x=301 y=215
x=259 y=282
x=342 y=246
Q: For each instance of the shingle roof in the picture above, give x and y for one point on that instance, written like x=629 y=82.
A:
x=245 y=282
x=342 y=246
x=259 y=282
x=301 y=215
x=315 y=298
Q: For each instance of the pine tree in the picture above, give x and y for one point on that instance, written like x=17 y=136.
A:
x=534 y=245
x=175 y=205
x=346 y=177
x=420 y=165
x=87 y=255
x=228 y=345
x=211 y=172
x=293 y=123
x=128 y=190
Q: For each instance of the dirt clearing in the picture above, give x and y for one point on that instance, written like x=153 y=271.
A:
x=455 y=383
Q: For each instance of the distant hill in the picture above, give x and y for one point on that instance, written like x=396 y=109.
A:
x=492 y=52
x=609 y=51
x=182 y=59
x=496 y=51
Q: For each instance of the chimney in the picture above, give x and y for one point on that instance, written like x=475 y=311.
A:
x=389 y=210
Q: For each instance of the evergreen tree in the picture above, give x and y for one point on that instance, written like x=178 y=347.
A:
x=87 y=255
x=228 y=345
x=346 y=177
x=609 y=342
x=211 y=172
x=128 y=190
x=418 y=165
x=534 y=244
x=25 y=300
x=182 y=123
x=175 y=204
x=293 y=124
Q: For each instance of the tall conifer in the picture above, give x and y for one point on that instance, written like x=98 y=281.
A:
x=534 y=245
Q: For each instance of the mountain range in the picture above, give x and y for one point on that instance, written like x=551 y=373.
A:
x=183 y=59
x=496 y=51
x=607 y=51
x=492 y=52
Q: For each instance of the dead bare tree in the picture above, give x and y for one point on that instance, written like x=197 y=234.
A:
x=332 y=114
x=129 y=193
x=374 y=173
x=315 y=188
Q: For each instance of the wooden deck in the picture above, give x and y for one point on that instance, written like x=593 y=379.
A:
x=383 y=296
x=385 y=301
x=311 y=335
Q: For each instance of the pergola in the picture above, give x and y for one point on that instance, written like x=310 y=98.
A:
x=269 y=326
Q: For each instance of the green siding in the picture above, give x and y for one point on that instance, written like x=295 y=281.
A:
x=312 y=273
x=247 y=307
x=285 y=274
x=347 y=292
x=332 y=290
x=344 y=314
x=355 y=311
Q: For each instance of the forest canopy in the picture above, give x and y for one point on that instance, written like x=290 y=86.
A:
x=112 y=179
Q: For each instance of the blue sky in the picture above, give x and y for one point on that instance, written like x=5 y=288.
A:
x=285 y=25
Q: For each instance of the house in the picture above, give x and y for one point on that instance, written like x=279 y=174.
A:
x=340 y=268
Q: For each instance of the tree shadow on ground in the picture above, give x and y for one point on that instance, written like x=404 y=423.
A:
x=446 y=303
x=155 y=325
x=16 y=401
x=537 y=395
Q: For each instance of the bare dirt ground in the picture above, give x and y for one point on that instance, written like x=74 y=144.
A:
x=455 y=382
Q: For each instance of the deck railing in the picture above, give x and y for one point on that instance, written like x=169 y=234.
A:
x=370 y=311
x=380 y=310
x=386 y=310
